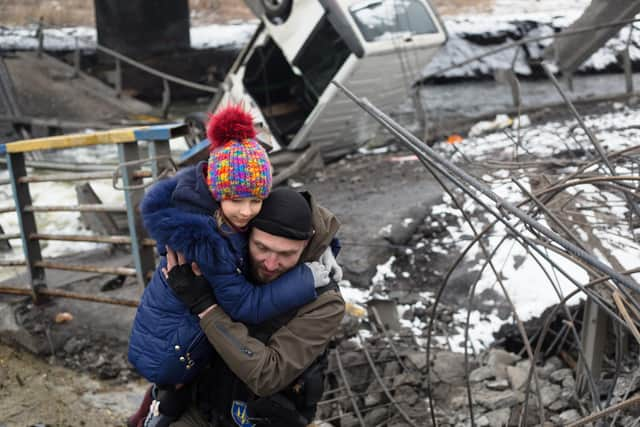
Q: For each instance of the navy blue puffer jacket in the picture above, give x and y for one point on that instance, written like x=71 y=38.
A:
x=166 y=345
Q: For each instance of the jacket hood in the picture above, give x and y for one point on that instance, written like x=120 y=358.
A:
x=179 y=210
x=325 y=225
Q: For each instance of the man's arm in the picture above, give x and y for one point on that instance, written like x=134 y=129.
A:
x=267 y=369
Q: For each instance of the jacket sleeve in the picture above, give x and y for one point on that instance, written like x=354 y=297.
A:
x=269 y=368
x=254 y=304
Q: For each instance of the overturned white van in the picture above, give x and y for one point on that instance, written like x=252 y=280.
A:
x=376 y=48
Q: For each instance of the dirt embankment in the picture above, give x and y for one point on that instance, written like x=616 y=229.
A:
x=63 y=13
x=34 y=392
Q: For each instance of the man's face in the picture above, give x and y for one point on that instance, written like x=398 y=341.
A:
x=271 y=256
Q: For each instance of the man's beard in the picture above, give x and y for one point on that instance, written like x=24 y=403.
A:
x=260 y=279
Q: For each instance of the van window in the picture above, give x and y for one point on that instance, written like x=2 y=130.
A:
x=385 y=19
x=321 y=58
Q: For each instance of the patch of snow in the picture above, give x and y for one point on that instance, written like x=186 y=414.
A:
x=383 y=272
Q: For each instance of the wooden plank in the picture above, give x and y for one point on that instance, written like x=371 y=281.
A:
x=114 y=136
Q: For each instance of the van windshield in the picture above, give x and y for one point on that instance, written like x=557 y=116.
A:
x=387 y=19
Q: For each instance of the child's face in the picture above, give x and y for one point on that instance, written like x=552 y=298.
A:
x=240 y=211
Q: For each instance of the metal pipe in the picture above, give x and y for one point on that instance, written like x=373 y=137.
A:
x=70 y=295
x=349 y=392
x=154 y=72
x=115 y=240
x=76 y=208
x=12 y=263
x=9 y=236
x=118 y=271
x=76 y=177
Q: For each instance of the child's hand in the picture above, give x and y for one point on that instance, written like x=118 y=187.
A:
x=177 y=258
x=187 y=283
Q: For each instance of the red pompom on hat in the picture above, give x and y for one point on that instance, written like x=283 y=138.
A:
x=238 y=165
x=231 y=123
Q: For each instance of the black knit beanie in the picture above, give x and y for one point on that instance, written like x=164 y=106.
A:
x=285 y=213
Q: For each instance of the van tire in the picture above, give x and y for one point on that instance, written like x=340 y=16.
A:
x=277 y=11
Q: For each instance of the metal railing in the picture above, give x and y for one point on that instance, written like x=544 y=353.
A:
x=131 y=174
x=118 y=82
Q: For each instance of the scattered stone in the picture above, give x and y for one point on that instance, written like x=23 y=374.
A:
x=481 y=374
x=499 y=417
x=551 y=365
x=568 y=416
x=517 y=377
x=559 y=376
x=569 y=383
x=374 y=396
x=498 y=385
x=392 y=369
x=418 y=359
x=405 y=378
x=483 y=421
x=550 y=393
x=559 y=405
x=349 y=421
x=497 y=356
x=496 y=400
x=75 y=345
x=375 y=417
x=406 y=394
x=449 y=367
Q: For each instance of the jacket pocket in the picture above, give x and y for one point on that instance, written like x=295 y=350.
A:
x=234 y=341
x=187 y=352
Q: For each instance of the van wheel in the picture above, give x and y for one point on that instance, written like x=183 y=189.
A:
x=196 y=123
x=277 y=11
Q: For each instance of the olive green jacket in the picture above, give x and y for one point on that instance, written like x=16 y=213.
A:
x=267 y=369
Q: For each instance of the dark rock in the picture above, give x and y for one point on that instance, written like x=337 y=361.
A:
x=376 y=416
x=417 y=358
x=482 y=373
x=449 y=368
x=550 y=393
x=499 y=417
x=498 y=385
x=517 y=377
x=406 y=394
x=75 y=345
x=559 y=376
x=496 y=400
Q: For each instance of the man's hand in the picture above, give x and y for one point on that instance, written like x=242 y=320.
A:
x=187 y=283
x=329 y=261
x=319 y=272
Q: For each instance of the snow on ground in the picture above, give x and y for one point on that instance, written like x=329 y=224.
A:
x=502 y=7
x=524 y=279
x=202 y=37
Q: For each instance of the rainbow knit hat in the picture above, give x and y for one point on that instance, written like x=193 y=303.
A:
x=238 y=165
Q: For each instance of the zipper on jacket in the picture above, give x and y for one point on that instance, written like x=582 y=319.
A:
x=233 y=340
